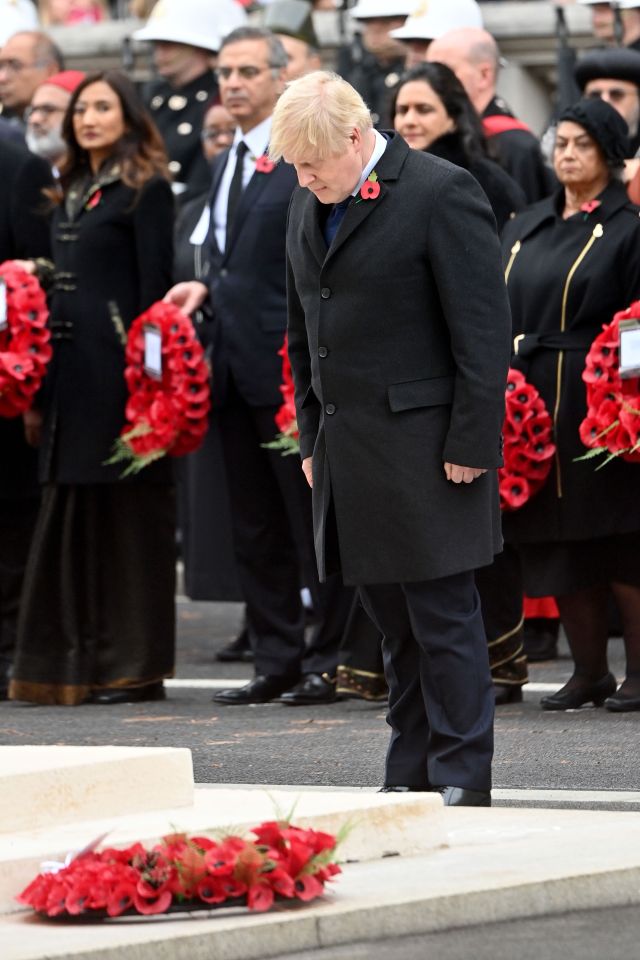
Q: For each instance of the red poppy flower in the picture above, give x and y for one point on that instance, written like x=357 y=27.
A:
x=93 y=200
x=590 y=206
x=211 y=890
x=260 y=896
x=264 y=164
x=149 y=905
x=514 y=492
x=308 y=887
x=370 y=189
x=121 y=898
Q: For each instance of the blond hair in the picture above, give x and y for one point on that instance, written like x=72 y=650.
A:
x=315 y=116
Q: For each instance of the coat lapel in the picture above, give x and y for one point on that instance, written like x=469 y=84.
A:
x=218 y=168
x=388 y=169
x=312 y=228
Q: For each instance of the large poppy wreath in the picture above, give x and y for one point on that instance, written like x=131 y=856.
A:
x=612 y=425
x=24 y=339
x=528 y=445
x=166 y=415
x=182 y=873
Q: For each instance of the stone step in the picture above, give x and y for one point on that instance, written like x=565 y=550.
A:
x=47 y=786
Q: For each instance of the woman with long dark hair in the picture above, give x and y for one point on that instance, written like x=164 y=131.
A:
x=97 y=620
x=432 y=111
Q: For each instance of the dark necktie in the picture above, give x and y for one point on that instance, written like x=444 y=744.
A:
x=335 y=219
x=235 y=187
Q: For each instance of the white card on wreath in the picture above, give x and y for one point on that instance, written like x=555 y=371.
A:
x=153 y=352
x=3 y=306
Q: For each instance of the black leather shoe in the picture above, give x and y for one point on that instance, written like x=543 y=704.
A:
x=461 y=797
x=618 y=703
x=238 y=651
x=574 y=695
x=313 y=688
x=112 y=695
x=507 y=693
x=262 y=689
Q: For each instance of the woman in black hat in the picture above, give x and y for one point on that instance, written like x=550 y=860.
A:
x=572 y=261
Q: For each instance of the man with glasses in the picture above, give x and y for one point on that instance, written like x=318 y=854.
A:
x=45 y=115
x=270 y=506
x=26 y=60
x=614 y=75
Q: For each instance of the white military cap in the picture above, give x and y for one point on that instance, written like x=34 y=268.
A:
x=199 y=23
x=17 y=15
x=432 y=18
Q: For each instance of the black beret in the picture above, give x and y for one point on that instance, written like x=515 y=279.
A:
x=617 y=63
x=604 y=124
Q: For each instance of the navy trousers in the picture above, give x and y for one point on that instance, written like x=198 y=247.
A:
x=441 y=700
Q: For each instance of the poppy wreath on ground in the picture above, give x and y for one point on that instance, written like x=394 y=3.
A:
x=528 y=444
x=166 y=415
x=611 y=427
x=24 y=339
x=187 y=873
x=287 y=440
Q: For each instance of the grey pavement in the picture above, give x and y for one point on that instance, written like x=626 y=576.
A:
x=612 y=934
x=341 y=744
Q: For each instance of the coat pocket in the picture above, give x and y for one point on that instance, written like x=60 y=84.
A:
x=420 y=393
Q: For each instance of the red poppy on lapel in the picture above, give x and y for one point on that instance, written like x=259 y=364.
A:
x=93 y=200
x=370 y=189
x=264 y=165
x=590 y=206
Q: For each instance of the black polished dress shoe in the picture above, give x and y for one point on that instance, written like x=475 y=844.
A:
x=507 y=693
x=313 y=688
x=113 y=695
x=238 y=651
x=262 y=689
x=461 y=797
x=576 y=694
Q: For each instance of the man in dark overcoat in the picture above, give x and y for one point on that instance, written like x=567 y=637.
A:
x=399 y=338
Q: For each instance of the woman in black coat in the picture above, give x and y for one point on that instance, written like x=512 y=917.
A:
x=98 y=609
x=572 y=261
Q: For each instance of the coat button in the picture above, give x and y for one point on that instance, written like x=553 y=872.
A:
x=323 y=352
x=224 y=272
x=330 y=409
x=325 y=293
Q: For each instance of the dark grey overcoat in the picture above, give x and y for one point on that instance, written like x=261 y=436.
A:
x=399 y=338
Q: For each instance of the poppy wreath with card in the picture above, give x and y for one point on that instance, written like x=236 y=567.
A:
x=24 y=339
x=611 y=427
x=167 y=410
x=528 y=444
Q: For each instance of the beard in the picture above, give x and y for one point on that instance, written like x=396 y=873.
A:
x=50 y=145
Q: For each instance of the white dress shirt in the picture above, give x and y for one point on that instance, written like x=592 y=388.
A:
x=257 y=141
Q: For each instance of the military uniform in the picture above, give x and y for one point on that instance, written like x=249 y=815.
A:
x=178 y=114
